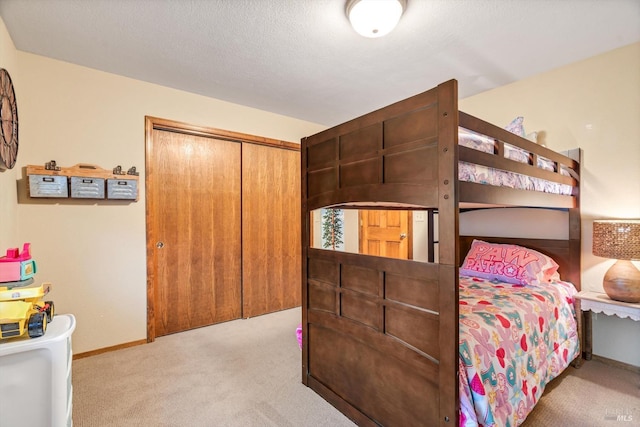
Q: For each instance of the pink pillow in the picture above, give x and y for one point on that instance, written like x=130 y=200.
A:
x=508 y=263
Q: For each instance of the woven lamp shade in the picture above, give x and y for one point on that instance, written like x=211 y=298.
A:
x=617 y=239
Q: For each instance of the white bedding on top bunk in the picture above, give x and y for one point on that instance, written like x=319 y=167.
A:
x=485 y=175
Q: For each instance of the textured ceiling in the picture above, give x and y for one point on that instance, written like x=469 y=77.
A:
x=301 y=58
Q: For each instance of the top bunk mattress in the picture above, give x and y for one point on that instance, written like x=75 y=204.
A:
x=481 y=174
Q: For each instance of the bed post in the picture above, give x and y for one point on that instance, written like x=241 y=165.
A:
x=448 y=232
x=575 y=227
x=431 y=243
x=305 y=231
x=575 y=252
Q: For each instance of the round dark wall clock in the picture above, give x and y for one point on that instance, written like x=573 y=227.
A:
x=9 y=122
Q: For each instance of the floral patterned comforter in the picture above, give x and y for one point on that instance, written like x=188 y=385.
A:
x=513 y=341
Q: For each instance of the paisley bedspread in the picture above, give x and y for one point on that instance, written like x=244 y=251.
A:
x=485 y=175
x=513 y=341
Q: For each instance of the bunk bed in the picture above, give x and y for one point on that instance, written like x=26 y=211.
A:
x=381 y=336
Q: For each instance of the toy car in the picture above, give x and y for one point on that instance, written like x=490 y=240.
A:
x=22 y=309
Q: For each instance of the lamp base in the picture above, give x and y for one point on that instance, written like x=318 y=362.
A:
x=622 y=282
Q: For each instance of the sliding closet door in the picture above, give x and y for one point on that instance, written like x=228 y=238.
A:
x=270 y=229
x=193 y=203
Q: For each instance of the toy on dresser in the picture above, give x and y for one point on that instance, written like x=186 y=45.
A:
x=22 y=309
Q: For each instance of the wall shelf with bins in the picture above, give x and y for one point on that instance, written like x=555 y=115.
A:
x=82 y=181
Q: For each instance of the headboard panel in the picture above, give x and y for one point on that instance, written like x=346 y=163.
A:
x=562 y=251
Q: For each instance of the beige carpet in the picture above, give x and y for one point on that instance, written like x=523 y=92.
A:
x=247 y=373
x=243 y=373
x=596 y=394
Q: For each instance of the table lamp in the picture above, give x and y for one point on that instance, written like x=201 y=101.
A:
x=619 y=239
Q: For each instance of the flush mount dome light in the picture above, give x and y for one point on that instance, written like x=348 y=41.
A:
x=375 y=18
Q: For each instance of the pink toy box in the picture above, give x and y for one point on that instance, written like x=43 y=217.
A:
x=16 y=265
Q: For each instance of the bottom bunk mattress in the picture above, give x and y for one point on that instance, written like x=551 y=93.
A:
x=513 y=341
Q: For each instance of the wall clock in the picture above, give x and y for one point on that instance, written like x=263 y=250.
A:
x=9 y=122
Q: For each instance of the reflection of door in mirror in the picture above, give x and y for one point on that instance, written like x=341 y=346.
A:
x=311 y=229
x=386 y=233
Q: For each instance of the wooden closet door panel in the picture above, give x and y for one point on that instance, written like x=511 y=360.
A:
x=270 y=229
x=194 y=201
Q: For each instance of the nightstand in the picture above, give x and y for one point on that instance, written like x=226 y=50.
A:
x=600 y=303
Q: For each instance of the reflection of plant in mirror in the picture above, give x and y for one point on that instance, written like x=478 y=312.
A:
x=331 y=228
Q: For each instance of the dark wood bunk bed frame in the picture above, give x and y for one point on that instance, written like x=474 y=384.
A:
x=380 y=335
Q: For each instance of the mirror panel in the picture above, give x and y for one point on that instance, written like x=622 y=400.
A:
x=388 y=233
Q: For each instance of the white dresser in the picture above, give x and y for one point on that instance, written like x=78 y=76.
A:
x=35 y=377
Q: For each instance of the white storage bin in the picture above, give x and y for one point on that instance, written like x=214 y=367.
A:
x=35 y=377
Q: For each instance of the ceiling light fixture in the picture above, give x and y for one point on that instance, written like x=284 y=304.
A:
x=375 y=18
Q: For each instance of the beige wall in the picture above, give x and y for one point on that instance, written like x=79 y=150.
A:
x=94 y=255
x=595 y=105
x=8 y=205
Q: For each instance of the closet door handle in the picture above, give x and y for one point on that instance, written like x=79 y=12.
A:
x=160 y=245
x=403 y=236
